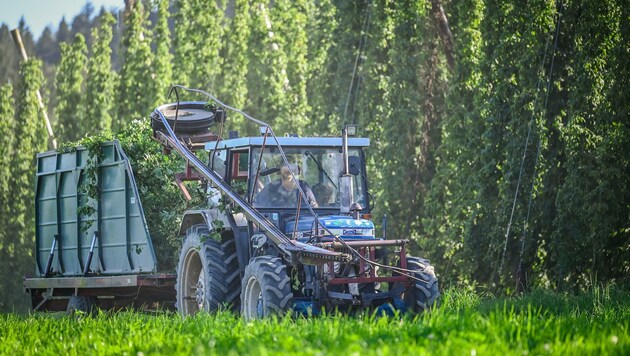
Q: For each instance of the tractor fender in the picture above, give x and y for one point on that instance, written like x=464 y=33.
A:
x=212 y=218
x=235 y=224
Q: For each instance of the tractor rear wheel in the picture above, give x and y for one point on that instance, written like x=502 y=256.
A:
x=424 y=293
x=266 y=288
x=207 y=273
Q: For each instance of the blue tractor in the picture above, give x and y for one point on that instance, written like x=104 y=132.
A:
x=288 y=225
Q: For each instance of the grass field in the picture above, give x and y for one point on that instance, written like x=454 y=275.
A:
x=465 y=324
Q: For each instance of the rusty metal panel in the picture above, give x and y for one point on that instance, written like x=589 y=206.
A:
x=122 y=245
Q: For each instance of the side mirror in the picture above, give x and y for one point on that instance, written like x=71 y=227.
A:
x=354 y=165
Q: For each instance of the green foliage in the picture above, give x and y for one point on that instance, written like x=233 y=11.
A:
x=450 y=201
x=7 y=129
x=234 y=74
x=101 y=80
x=30 y=138
x=321 y=27
x=447 y=143
x=198 y=40
x=291 y=22
x=466 y=323
x=576 y=228
x=69 y=86
x=592 y=235
x=135 y=91
x=408 y=143
x=162 y=201
x=267 y=76
x=163 y=60
x=9 y=58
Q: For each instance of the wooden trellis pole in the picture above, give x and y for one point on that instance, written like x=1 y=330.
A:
x=17 y=39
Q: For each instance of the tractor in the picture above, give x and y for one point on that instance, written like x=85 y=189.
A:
x=287 y=227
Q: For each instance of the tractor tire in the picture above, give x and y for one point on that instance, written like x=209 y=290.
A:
x=424 y=294
x=207 y=273
x=266 y=288
x=192 y=118
x=82 y=304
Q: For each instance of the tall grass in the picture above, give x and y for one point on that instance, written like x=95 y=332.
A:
x=540 y=322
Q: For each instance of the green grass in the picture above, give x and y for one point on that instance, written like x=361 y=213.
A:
x=465 y=324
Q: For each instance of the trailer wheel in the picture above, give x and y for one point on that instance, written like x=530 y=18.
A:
x=81 y=304
x=266 y=288
x=424 y=293
x=207 y=273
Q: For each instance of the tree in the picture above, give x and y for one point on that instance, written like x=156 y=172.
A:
x=135 y=91
x=408 y=134
x=82 y=22
x=30 y=138
x=321 y=29
x=267 y=76
x=9 y=58
x=27 y=36
x=63 y=32
x=290 y=20
x=449 y=203
x=234 y=79
x=198 y=40
x=348 y=28
x=101 y=79
x=47 y=47
x=69 y=88
x=162 y=62
x=591 y=238
x=7 y=122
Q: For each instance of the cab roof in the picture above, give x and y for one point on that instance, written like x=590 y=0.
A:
x=289 y=141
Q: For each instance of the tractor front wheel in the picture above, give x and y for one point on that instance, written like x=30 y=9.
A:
x=424 y=293
x=266 y=288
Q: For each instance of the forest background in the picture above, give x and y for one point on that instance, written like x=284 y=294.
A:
x=500 y=129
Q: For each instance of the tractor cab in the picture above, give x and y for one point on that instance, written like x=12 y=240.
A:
x=256 y=168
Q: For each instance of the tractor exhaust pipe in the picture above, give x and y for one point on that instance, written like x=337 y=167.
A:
x=345 y=181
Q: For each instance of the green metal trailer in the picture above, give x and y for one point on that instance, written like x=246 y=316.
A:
x=101 y=253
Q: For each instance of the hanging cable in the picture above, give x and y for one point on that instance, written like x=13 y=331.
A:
x=360 y=56
x=544 y=112
x=529 y=131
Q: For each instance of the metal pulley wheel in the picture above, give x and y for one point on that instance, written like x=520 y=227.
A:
x=192 y=117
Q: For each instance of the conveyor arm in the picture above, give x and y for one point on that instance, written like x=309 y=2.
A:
x=307 y=254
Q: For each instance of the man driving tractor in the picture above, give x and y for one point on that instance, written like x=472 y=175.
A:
x=284 y=192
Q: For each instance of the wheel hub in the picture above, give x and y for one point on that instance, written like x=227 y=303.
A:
x=259 y=306
x=200 y=292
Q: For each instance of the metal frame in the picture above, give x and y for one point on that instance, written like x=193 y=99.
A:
x=291 y=249
x=113 y=292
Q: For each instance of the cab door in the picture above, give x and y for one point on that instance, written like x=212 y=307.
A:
x=239 y=171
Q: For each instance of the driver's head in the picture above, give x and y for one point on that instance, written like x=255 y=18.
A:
x=285 y=170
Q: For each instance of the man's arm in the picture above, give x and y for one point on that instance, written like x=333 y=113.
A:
x=310 y=197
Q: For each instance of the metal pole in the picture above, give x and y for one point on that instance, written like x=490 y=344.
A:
x=90 y=254
x=17 y=39
x=345 y=181
x=50 y=257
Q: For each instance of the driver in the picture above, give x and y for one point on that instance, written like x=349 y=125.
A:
x=283 y=192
